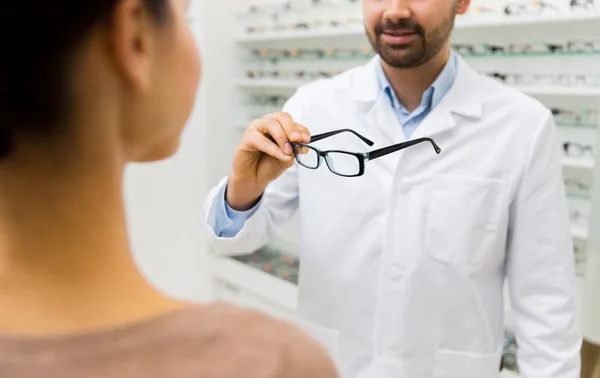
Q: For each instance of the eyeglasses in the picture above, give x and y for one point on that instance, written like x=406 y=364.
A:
x=345 y=163
x=574 y=149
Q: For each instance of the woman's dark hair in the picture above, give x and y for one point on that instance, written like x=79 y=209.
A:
x=37 y=38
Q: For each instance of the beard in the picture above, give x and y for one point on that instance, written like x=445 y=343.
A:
x=419 y=50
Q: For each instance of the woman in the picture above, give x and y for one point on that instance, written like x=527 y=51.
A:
x=85 y=87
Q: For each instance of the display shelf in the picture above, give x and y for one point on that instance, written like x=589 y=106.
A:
x=461 y=24
x=262 y=284
x=270 y=83
x=579 y=232
x=579 y=163
x=558 y=91
x=530 y=90
x=509 y=374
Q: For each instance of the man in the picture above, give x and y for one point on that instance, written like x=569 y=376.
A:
x=402 y=267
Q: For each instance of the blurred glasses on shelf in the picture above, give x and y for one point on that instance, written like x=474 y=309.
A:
x=577 y=217
x=297 y=5
x=298 y=75
x=580 y=259
x=583 y=4
x=564 y=80
x=509 y=357
x=584 y=117
x=579 y=150
x=574 y=47
x=345 y=163
x=312 y=25
x=268 y=100
x=275 y=55
x=531 y=8
x=573 y=185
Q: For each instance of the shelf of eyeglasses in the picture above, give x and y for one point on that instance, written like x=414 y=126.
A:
x=530 y=90
x=270 y=8
x=274 y=262
x=300 y=54
x=288 y=85
x=580 y=260
x=532 y=54
x=569 y=81
x=291 y=32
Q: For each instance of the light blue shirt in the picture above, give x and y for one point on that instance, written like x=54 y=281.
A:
x=430 y=99
x=228 y=222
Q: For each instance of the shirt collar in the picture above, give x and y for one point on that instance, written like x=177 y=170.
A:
x=433 y=95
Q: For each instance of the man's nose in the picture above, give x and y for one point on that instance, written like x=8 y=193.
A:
x=397 y=10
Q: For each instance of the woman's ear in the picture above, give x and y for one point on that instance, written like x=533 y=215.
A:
x=463 y=6
x=131 y=32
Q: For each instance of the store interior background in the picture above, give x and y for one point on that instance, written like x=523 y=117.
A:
x=240 y=82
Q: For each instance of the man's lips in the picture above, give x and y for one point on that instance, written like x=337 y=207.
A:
x=399 y=36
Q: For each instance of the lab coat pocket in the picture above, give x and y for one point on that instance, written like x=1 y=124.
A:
x=464 y=219
x=453 y=364
x=327 y=337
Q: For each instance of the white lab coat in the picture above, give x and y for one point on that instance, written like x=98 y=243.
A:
x=402 y=269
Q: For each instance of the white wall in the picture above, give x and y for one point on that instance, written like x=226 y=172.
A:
x=164 y=205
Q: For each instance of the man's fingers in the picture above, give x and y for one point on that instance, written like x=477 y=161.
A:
x=305 y=133
x=288 y=125
x=271 y=128
x=262 y=143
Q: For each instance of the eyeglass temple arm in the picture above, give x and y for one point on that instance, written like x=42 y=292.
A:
x=318 y=137
x=396 y=147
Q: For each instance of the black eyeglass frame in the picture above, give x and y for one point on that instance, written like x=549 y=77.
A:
x=362 y=157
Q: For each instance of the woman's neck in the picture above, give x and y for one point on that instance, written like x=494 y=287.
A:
x=65 y=260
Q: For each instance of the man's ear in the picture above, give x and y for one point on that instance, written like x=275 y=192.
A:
x=130 y=40
x=463 y=6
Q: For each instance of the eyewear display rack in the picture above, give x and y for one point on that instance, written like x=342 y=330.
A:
x=548 y=50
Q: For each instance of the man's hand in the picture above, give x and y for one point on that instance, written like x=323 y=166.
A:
x=264 y=153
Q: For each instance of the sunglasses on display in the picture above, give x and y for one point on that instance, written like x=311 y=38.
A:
x=574 y=149
x=345 y=163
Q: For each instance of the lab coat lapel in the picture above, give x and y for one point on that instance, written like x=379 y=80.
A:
x=375 y=105
x=382 y=116
x=463 y=99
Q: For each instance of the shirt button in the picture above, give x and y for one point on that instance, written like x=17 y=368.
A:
x=404 y=189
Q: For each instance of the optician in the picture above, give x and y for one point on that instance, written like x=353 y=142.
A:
x=403 y=264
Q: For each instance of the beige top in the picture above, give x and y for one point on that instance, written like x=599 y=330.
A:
x=216 y=341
